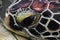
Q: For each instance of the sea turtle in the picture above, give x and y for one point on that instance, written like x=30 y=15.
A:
x=35 y=19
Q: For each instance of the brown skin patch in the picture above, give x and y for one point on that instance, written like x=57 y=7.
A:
x=52 y=6
x=38 y=6
x=7 y=19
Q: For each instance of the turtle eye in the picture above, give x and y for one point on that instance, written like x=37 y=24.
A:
x=27 y=21
x=27 y=18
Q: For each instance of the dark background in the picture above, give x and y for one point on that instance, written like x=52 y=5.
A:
x=5 y=4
